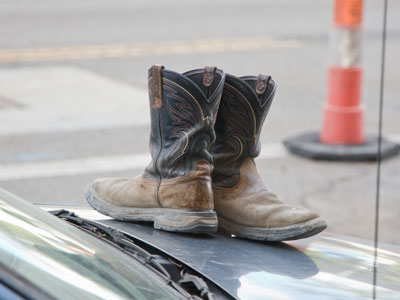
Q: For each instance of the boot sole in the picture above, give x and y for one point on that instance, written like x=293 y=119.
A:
x=275 y=234
x=175 y=220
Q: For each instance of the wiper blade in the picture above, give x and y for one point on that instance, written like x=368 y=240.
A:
x=175 y=274
x=196 y=282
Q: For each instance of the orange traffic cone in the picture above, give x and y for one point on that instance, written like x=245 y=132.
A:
x=343 y=113
x=342 y=136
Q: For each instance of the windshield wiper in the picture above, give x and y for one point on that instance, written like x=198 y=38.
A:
x=175 y=274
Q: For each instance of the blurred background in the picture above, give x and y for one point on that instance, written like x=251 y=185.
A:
x=74 y=104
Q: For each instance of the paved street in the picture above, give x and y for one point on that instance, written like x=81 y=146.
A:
x=74 y=107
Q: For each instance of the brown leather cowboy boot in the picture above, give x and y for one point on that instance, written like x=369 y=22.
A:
x=174 y=191
x=245 y=207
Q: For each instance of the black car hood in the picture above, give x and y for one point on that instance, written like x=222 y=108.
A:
x=323 y=267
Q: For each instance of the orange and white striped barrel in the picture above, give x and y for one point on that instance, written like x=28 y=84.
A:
x=343 y=112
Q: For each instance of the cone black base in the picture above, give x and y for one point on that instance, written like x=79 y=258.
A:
x=309 y=145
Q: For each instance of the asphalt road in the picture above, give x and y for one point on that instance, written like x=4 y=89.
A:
x=73 y=103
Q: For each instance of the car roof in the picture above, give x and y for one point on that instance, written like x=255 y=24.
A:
x=326 y=266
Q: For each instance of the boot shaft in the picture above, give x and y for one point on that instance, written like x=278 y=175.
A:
x=183 y=112
x=244 y=106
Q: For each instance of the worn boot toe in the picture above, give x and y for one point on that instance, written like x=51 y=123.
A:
x=262 y=216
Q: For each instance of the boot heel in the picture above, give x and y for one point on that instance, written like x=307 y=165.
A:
x=204 y=222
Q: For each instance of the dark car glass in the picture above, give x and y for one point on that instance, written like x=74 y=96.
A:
x=68 y=263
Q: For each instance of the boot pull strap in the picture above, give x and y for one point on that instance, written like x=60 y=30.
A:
x=156 y=72
x=262 y=83
x=208 y=75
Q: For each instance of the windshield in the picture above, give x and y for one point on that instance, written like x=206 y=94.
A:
x=68 y=263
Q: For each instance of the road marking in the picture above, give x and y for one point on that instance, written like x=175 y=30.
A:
x=114 y=163
x=273 y=151
x=71 y=167
x=146 y=49
x=9 y=103
x=394 y=138
x=100 y=164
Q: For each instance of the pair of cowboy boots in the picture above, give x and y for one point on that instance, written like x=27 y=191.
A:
x=205 y=129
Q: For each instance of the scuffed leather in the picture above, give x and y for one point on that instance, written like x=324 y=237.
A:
x=250 y=203
x=130 y=192
x=193 y=191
